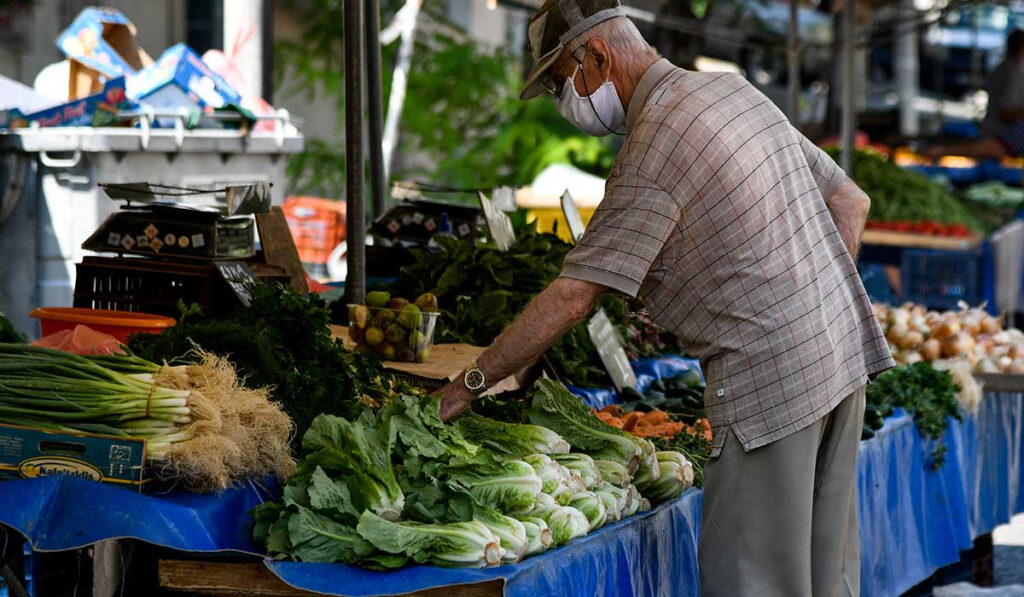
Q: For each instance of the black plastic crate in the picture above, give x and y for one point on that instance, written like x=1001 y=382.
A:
x=155 y=287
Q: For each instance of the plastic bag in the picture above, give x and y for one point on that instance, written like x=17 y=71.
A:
x=81 y=340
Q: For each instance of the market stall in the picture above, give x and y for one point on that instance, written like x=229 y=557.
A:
x=914 y=520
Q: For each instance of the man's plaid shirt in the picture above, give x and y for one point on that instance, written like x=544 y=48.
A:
x=715 y=216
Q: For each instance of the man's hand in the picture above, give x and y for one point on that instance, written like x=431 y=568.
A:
x=849 y=209
x=455 y=399
x=552 y=313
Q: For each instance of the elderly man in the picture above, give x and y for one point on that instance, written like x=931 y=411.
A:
x=739 y=236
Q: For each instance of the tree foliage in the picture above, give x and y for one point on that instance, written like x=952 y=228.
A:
x=462 y=109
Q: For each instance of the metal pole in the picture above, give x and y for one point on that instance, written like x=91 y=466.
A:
x=355 y=196
x=849 y=118
x=375 y=93
x=975 y=50
x=907 y=68
x=794 y=62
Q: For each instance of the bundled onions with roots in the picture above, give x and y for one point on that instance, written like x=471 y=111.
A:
x=204 y=431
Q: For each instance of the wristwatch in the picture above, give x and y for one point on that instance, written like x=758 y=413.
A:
x=474 y=379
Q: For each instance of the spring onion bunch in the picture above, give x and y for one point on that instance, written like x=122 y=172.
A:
x=202 y=428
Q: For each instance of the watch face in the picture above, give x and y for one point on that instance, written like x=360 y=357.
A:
x=474 y=379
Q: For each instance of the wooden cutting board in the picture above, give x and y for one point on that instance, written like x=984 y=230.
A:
x=446 y=362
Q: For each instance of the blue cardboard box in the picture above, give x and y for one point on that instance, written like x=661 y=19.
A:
x=104 y=40
x=180 y=78
x=99 y=109
x=27 y=453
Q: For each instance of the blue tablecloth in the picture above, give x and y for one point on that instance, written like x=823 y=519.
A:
x=63 y=512
x=654 y=553
x=914 y=520
x=990 y=446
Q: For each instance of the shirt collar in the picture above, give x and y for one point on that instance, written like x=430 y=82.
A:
x=654 y=75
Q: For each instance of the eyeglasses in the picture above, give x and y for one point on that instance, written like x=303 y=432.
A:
x=551 y=87
x=554 y=84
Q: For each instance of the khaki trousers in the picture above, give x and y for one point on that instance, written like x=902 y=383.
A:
x=781 y=520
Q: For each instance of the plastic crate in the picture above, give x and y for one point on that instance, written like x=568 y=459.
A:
x=155 y=287
x=317 y=225
x=940 y=279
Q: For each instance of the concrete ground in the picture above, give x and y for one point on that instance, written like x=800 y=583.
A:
x=1008 y=548
x=1008 y=543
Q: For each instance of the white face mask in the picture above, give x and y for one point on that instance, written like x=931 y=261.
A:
x=598 y=114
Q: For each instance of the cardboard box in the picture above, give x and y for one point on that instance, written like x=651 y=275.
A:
x=180 y=78
x=82 y=80
x=99 y=109
x=103 y=39
x=26 y=453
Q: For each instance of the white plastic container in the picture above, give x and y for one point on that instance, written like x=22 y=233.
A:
x=50 y=202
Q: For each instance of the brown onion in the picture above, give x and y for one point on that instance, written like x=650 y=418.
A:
x=986 y=344
x=910 y=340
x=947 y=328
x=1016 y=367
x=957 y=345
x=931 y=350
x=897 y=332
x=991 y=325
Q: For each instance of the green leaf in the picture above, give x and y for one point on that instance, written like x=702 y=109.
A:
x=317 y=538
x=452 y=277
x=332 y=497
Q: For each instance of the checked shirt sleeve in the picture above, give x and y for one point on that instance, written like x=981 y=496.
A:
x=827 y=173
x=625 y=236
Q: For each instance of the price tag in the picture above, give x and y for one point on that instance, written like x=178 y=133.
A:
x=498 y=223
x=504 y=198
x=239 y=277
x=611 y=350
x=572 y=216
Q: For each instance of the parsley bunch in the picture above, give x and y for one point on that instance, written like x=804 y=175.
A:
x=928 y=394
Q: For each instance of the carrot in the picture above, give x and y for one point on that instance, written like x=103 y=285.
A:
x=610 y=419
x=656 y=417
x=630 y=420
x=666 y=430
x=613 y=409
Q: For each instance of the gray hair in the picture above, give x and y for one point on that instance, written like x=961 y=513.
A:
x=622 y=37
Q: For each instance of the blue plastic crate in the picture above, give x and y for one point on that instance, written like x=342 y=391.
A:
x=940 y=279
x=957 y=176
x=872 y=275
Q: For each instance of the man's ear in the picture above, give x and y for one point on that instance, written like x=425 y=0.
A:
x=598 y=49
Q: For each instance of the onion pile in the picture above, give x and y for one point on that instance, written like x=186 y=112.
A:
x=916 y=334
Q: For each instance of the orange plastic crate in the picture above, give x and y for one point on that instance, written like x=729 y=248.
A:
x=317 y=225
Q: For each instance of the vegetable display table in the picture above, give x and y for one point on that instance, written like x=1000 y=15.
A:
x=914 y=520
x=920 y=241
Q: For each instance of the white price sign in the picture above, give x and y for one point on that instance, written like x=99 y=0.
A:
x=572 y=216
x=611 y=350
x=498 y=223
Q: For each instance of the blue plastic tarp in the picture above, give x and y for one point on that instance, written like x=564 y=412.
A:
x=596 y=398
x=911 y=523
x=990 y=445
x=654 y=553
x=666 y=367
x=647 y=372
x=62 y=512
x=914 y=519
